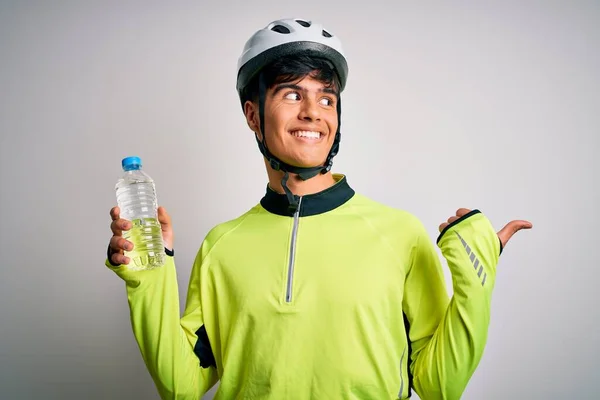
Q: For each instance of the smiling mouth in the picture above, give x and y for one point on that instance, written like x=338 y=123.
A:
x=311 y=135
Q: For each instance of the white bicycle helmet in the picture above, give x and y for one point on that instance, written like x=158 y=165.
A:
x=286 y=37
x=281 y=38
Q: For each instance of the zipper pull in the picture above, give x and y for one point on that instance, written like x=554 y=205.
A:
x=293 y=204
x=294 y=207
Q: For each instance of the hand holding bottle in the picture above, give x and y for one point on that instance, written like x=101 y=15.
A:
x=118 y=245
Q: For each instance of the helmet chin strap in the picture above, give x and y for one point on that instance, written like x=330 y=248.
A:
x=303 y=173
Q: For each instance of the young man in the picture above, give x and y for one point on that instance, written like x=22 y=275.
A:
x=317 y=292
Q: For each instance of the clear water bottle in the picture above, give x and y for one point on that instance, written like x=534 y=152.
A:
x=136 y=197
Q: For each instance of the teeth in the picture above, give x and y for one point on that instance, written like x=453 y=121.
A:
x=307 y=134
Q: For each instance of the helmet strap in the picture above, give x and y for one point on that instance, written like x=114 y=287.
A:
x=336 y=142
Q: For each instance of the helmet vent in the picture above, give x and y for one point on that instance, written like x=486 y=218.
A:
x=280 y=29
x=303 y=23
x=326 y=34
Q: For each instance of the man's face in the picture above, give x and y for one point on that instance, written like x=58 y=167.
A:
x=301 y=121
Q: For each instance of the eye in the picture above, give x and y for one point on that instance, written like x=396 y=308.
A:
x=292 y=96
x=326 y=101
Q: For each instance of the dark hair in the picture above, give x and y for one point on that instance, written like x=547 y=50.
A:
x=290 y=69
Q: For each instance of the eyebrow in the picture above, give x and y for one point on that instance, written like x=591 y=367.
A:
x=292 y=86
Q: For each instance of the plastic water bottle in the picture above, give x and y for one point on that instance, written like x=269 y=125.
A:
x=136 y=197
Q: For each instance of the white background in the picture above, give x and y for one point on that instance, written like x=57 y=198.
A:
x=489 y=105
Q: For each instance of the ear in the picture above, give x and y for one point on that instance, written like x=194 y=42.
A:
x=252 y=117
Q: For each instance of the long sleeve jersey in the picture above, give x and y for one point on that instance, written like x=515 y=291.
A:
x=344 y=298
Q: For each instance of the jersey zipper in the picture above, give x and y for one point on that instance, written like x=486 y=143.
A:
x=290 y=276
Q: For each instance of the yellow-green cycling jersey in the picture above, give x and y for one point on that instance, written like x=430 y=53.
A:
x=343 y=299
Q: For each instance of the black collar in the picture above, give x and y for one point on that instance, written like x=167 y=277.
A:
x=312 y=204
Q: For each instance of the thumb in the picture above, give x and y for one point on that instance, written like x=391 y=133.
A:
x=164 y=218
x=511 y=228
x=166 y=227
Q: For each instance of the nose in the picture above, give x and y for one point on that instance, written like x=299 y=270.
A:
x=310 y=110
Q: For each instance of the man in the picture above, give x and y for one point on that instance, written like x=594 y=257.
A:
x=317 y=292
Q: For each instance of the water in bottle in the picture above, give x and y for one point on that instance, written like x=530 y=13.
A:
x=136 y=197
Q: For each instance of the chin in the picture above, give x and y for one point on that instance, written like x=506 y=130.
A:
x=305 y=162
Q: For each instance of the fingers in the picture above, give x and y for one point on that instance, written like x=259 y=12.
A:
x=117 y=243
x=511 y=228
x=118 y=226
x=461 y=212
x=118 y=258
x=452 y=219
x=114 y=213
x=166 y=227
x=445 y=224
x=117 y=247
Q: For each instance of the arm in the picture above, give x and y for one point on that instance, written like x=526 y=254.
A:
x=171 y=348
x=448 y=337
x=166 y=342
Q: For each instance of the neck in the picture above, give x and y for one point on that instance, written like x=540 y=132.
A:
x=298 y=186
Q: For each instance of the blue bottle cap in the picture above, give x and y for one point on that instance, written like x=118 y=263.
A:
x=131 y=163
